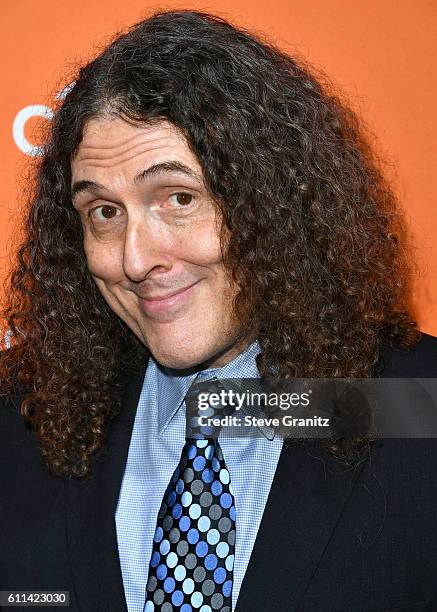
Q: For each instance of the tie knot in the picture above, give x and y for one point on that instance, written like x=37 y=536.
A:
x=204 y=402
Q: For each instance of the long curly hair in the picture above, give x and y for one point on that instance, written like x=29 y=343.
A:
x=314 y=241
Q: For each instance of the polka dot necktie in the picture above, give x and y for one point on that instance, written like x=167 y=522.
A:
x=194 y=542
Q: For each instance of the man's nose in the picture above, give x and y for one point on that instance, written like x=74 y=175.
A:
x=146 y=247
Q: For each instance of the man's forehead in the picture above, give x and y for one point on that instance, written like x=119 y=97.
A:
x=114 y=152
x=113 y=147
x=109 y=137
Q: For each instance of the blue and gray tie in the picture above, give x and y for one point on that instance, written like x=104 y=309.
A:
x=191 y=566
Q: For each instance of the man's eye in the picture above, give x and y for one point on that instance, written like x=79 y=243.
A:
x=181 y=199
x=104 y=213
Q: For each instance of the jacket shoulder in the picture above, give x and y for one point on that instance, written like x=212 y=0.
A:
x=418 y=361
x=10 y=408
x=10 y=414
x=18 y=444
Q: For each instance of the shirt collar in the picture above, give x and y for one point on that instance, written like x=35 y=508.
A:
x=172 y=388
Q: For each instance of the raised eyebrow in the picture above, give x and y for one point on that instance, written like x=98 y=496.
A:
x=156 y=169
x=165 y=167
x=80 y=186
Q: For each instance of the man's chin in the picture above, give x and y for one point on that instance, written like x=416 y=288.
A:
x=179 y=366
x=190 y=360
x=182 y=359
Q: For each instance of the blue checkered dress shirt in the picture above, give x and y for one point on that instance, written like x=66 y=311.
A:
x=158 y=437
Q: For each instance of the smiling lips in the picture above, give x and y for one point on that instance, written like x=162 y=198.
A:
x=169 y=302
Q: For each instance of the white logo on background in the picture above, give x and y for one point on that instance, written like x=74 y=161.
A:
x=26 y=113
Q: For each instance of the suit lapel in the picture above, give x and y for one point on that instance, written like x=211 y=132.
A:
x=307 y=497
x=91 y=504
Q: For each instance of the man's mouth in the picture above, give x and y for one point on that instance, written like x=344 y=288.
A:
x=169 y=301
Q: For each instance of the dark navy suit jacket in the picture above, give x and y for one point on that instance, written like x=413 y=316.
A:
x=330 y=539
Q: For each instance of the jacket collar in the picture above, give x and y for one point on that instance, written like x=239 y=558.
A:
x=308 y=495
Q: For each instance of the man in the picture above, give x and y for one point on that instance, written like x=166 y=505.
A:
x=206 y=209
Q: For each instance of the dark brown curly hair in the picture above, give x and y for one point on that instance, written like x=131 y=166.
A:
x=316 y=243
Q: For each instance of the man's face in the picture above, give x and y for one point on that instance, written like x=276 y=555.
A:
x=151 y=238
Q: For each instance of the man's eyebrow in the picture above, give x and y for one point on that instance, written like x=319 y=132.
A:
x=167 y=166
x=80 y=186
x=156 y=169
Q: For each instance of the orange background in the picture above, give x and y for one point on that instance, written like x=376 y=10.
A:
x=381 y=53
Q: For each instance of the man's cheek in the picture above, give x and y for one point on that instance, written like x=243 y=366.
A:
x=109 y=296
x=103 y=262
